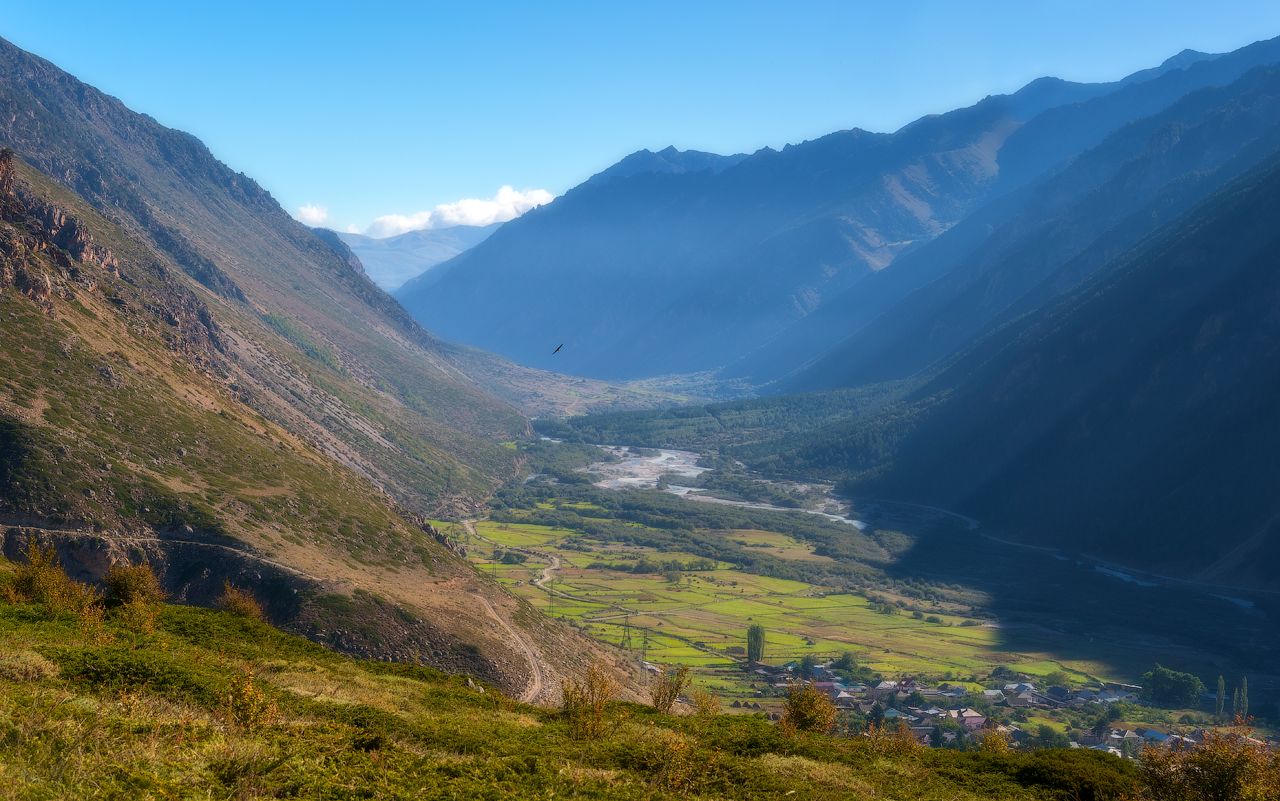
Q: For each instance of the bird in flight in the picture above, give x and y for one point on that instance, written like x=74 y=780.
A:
x=557 y=350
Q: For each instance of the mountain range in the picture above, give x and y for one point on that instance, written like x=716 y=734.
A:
x=756 y=265
x=1079 y=361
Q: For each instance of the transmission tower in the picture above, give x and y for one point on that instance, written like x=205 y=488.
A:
x=626 y=633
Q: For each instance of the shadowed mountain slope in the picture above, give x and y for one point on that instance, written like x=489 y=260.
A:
x=1046 y=239
x=1132 y=419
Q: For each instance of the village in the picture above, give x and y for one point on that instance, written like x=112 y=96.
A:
x=946 y=715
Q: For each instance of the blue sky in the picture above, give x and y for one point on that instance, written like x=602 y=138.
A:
x=372 y=109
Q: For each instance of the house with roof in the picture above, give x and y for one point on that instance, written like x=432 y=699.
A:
x=970 y=719
x=895 y=715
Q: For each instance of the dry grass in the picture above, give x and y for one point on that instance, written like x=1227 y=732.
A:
x=26 y=666
x=811 y=771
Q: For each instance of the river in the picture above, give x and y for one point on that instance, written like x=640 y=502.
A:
x=644 y=468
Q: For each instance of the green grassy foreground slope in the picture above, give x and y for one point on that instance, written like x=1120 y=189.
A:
x=208 y=704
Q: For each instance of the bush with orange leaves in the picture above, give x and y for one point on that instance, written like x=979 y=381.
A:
x=42 y=581
x=1227 y=766
x=893 y=741
x=240 y=602
x=807 y=709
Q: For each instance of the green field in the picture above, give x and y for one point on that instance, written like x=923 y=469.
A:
x=694 y=617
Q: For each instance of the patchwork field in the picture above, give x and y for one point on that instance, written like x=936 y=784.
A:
x=696 y=613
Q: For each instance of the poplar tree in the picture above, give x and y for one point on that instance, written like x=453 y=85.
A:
x=755 y=643
x=1220 y=704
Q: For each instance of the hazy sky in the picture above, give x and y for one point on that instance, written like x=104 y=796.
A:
x=372 y=109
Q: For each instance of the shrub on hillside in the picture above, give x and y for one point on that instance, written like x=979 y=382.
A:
x=240 y=602
x=1224 y=766
x=893 y=741
x=667 y=686
x=807 y=709
x=1077 y=774
x=585 y=702
x=132 y=584
x=134 y=593
x=673 y=762
x=247 y=704
x=705 y=704
x=41 y=580
x=993 y=742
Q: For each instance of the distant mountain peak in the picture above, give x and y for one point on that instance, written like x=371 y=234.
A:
x=1186 y=58
x=669 y=160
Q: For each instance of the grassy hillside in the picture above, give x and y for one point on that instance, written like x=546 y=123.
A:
x=318 y=348
x=126 y=427
x=208 y=704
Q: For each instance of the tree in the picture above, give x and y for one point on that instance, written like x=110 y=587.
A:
x=876 y=716
x=1058 y=678
x=1165 y=687
x=1219 y=704
x=755 y=643
x=807 y=663
x=1049 y=737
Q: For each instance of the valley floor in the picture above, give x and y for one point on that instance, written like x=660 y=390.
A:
x=916 y=591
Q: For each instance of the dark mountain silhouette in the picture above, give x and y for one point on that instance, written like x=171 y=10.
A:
x=1134 y=418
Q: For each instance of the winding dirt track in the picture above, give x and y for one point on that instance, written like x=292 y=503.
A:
x=537 y=679
x=548 y=572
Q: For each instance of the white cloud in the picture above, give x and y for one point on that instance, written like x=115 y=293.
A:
x=507 y=204
x=312 y=214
